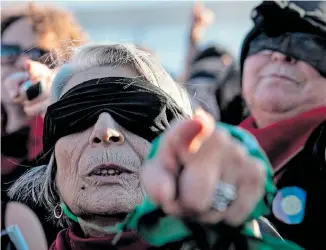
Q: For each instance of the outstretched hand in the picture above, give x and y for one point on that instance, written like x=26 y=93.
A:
x=209 y=156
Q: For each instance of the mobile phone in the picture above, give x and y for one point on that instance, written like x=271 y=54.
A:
x=33 y=90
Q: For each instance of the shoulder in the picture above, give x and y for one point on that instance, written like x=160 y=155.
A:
x=30 y=226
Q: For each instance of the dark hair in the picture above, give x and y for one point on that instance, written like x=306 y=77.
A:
x=275 y=18
x=211 y=51
x=4 y=118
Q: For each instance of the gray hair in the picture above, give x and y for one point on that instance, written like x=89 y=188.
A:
x=38 y=185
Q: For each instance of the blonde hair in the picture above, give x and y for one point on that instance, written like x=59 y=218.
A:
x=38 y=184
x=65 y=32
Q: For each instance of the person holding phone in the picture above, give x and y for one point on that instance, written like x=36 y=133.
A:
x=28 y=34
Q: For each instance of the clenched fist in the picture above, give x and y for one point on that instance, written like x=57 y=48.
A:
x=193 y=158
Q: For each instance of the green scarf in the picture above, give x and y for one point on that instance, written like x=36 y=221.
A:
x=159 y=229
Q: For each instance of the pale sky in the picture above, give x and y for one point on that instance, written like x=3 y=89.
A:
x=161 y=25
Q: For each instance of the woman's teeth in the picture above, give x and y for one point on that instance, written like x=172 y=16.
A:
x=107 y=172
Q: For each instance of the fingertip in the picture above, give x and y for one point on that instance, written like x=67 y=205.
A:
x=185 y=132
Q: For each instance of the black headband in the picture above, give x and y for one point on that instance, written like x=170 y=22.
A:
x=203 y=74
x=137 y=105
x=301 y=46
x=212 y=51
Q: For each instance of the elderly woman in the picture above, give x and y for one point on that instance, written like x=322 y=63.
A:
x=284 y=86
x=110 y=102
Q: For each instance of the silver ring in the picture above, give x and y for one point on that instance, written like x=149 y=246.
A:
x=224 y=194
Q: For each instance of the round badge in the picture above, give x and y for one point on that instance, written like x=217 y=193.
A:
x=289 y=205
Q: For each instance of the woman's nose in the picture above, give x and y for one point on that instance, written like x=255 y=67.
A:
x=277 y=56
x=105 y=133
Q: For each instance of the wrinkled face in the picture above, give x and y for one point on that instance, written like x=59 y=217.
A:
x=18 y=33
x=98 y=170
x=276 y=87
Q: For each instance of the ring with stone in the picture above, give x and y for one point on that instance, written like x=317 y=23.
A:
x=224 y=194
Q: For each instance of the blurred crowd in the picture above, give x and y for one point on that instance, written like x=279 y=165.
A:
x=101 y=148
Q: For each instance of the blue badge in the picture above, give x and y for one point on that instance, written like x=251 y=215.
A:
x=289 y=205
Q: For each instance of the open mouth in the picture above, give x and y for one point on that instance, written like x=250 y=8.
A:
x=109 y=170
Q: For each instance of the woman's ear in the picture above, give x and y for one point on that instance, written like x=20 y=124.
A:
x=27 y=221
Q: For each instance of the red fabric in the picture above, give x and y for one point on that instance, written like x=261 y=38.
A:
x=284 y=139
x=73 y=238
x=8 y=164
x=35 y=145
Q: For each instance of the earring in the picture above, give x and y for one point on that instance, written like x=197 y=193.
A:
x=58 y=211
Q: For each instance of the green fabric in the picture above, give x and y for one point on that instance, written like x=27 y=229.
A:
x=162 y=229
x=269 y=242
x=250 y=142
x=167 y=229
x=68 y=213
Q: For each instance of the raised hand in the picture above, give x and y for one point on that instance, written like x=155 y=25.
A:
x=214 y=164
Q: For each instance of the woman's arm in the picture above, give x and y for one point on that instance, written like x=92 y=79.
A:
x=201 y=18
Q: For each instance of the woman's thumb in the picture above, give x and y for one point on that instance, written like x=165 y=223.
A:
x=35 y=69
x=207 y=123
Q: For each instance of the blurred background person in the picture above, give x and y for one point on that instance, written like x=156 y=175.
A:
x=211 y=74
x=28 y=34
x=160 y=25
x=284 y=86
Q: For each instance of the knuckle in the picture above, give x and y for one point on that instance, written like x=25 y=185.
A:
x=221 y=137
x=254 y=173
x=243 y=208
x=211 y=217
x=240 y=153
x=259 y=170
x=239 y=216
x=255 y=179
x=193 y=202
x=171 y=208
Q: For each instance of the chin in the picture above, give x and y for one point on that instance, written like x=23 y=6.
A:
x=272 y=106
x=273 y=101
x=110 y=201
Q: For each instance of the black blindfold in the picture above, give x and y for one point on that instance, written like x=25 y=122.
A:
x=138 y=106
x=301 y=46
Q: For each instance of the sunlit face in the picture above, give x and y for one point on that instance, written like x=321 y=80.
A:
x=98 y=170
x=275 y=88
x=18 y=33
